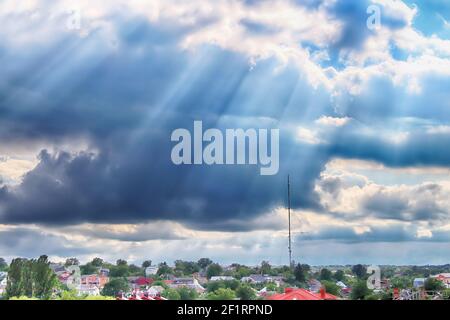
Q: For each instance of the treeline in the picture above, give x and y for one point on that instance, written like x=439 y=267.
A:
x=30 y=278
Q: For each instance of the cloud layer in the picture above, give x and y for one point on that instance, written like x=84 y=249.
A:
x=89 y=96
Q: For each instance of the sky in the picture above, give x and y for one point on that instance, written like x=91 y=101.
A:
x=90 y=93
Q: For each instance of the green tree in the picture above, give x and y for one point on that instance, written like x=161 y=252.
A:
x=121 y=262
x=171 y=294
x=213 y=270
x=432 y=284
x=88 y=268
x=401 y=282
x=359 y=270
x=203 y=263
x=31 y=278
x=72 y=262
x=446 y=294
x=214 y=285
x=245 y=292
x=164 y=269
x=265 y=267
x=3 y=265
x=271 y=286
x=115 y=286
x=160 y=283
x=331 y=287
x=119 y=271
x=242 y=271
x=97 y=262
x=134 y=270
x=146 y=263
x=69 y=295
x=98 y=298
x=222 y=294
x=339 y=275
x=373 y=296
x=360 y=290
x=187 y=293
x=15 y=282
x=325 y=274
x=27 y=278
x=186 y=267
x=23 y=298
x=300 y=273
x=43 y=277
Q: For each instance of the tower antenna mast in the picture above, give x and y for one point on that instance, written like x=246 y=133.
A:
x=289 y=219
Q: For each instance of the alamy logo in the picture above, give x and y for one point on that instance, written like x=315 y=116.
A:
x=234 y=146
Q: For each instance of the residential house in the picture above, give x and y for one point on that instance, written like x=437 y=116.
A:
x=151 y=271
x=278 y=280
x=3 y=282
x=67 y=278
x=104 y=272
x=201 y=278
x=230 y=268
x=154 y=291
x=444 y=278
x=385 y=284
x=418 y=282
x=345 y=292
x=57 y=267
x=314 y=285
x=258 y=279
x=141 y=282
x=191 y=283
x=264 y=292
x=88 y=289
x=222 y=278
x=94 y=279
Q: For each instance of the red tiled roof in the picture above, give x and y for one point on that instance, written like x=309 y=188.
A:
x=143 y=281
x=301 y=294
x=328 y=296
x=294 y=294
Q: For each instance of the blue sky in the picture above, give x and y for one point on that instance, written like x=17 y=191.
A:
x=90 y=93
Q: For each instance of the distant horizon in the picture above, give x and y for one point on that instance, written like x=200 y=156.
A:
x=171 y=263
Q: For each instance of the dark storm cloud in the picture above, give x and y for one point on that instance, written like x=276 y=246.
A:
x=126 y=97
x=137 y=233
x=418 y=148
x=375 y=234
x=348 y=234
x=127 y=106
x=433 y=103
x=23 y=242
x=138 y=182
x=418 y=204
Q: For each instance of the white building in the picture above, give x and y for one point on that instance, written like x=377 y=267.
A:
x=190 y=283
x=151 y=271
x=90 y=290
x=221 y=278
x=155 y=291
x=3 y=282
x=419 y=282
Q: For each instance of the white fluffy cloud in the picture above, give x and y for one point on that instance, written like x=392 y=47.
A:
x=355 y=197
